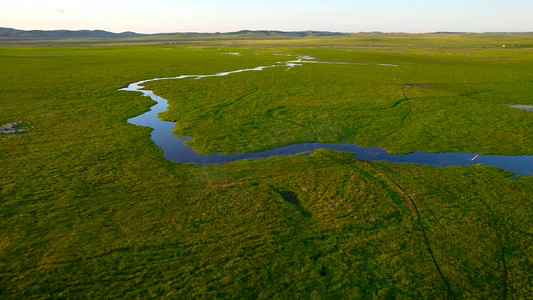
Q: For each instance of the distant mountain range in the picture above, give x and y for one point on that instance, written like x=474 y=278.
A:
x=281 y=33
x=16 y=34
x=10 y=33
x=7 y=34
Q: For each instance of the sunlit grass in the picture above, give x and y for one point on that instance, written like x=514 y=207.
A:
x=429 y=101
x=90 y=208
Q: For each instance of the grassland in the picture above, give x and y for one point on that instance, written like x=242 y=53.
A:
x=433 y=100
x=90 y=208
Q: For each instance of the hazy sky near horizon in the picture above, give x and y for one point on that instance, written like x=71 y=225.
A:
x=231 y=15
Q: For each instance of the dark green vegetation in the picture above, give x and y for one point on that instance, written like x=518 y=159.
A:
x=90 y=208
x=431 y=100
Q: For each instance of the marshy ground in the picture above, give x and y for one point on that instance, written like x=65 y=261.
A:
x=91 y=208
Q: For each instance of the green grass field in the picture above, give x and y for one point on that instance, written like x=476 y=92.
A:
x=459 y=107
x=91 y=209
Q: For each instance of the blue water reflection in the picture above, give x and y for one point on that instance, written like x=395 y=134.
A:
x=174 y=148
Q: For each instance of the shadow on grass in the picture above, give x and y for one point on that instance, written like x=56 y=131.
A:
x=292 y=198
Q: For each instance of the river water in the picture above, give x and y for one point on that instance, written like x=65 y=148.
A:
x=174 y=147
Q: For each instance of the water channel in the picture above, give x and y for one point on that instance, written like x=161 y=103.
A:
x=175 y=149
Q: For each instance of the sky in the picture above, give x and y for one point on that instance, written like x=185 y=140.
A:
x=156 y=16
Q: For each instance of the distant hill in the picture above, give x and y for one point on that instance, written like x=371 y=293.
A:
x=284 y=33
x=11 y=34
x=16 y=34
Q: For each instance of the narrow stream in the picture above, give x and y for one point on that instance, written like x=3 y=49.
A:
x=174 y=147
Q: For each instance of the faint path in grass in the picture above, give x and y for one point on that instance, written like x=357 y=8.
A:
x=396 y=104
x=222 y=106
x=402 y=122
x=502 y=241
x=270 y=114
x=420 y=224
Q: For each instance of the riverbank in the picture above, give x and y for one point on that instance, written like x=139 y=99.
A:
x=176 y=149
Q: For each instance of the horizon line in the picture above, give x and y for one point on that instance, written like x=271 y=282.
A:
x=276 y=30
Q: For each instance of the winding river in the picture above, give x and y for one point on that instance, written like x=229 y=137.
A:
x=174 y=147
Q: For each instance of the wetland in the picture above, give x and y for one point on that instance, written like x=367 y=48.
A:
x=93 y=206
x=174 y=147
